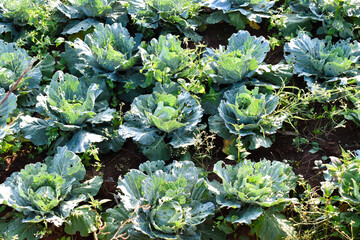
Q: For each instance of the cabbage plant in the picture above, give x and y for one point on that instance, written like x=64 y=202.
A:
x=169 y=115
x=73 y=116
x=20 y=11
x=344 y=176
x=253 y=10
x=164 y=59
x=238 y=60
x=322 y=62
x=109 y=49
x=338 y=17
x=87 y=13
x=247 y=114
x=46 y=194
x=255 y=192
x=166 y=14
x=166 y=202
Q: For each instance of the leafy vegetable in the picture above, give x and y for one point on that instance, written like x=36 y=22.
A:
x=166 y=202
x=343 y=174
x=323 y=62
x=74 y=117
x=90 y=12
x=249 y=187
x=46 y=193
x=20 y=11
x=247 y=114
x=254 y=10
x=338 y=17
x=166 y=14
x=168 y=113
x=109 y=49
x=239 y=60
x=164 y=59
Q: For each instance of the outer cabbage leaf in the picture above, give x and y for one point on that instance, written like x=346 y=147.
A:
x=163 y=113
x=108 y=49
x=82 y=219
x=117 y=222
x=5 y=112
x=46 y=192
x=247 y=114
x=16 y=229
x=254 y=10
x=72 y=108
x=238 y=60
x=322 y=62
x=164 y=59
x=166 y=13
x=166 y=202
x=273 y=225
x=35 y=129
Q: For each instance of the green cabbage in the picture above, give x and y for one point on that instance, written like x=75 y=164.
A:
x=256 y=192
x=72 y=107
x=169 y=112
x=323 y=62
x=109 y=49
x=247 y=114
x=166 y=202
x=166 y=14
x=239 y=60
x=164 y=59
x=46 y=193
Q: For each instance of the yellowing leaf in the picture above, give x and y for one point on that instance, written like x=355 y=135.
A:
x=254 y=25
x=227 y=146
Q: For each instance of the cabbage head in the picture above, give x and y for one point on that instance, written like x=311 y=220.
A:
x=323 y=62
x=248 y=115
x=45 y=194
x=164 y=59
x=165 y=14
x=237 y=61
x=169 y=115
x=109 y=49
x=256 y=192
x=72 y=113
x=166 y=202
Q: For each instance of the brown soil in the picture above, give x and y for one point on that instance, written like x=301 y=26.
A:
x=27 y=154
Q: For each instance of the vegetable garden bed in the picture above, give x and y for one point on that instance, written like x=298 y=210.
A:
x=179 y=120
